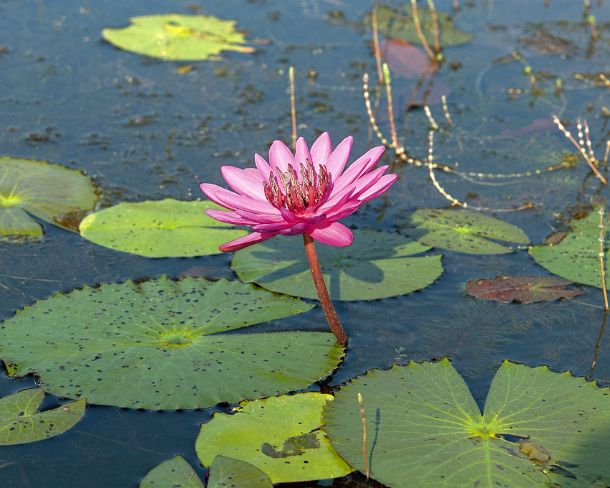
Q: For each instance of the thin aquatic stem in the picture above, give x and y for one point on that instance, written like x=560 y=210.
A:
x=293 y=110
x=325 y=301
x=376 y=51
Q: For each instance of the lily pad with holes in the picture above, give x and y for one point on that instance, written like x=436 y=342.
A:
x=377 y=265
x=164 y=344
x=576 y=256
x=50 y=192
x=281 y=436
x=176 y=37
x=227 y=472
x=398 y=24
x=522 y=289
x=463 y=231
x=174 y=473
x=22 y=423
x=425 y=428
x=159 y=229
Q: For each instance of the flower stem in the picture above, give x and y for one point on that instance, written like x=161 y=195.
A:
x=325 y=301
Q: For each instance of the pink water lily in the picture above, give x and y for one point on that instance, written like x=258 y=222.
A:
x=302 y=193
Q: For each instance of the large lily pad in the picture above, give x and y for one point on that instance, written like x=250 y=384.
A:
x=463 y=231
x=174 y=473
x=160 y=344
x=159 y=229
x=21 y=423
x=281 y=436
x=425 y=428
x=377 y=265
x=398 y=24
x=227 y=472
x=50 y=192
x=178 y=37
x=576 y=257
x=522 y=289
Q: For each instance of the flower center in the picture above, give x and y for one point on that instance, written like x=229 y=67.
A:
x=298 y=192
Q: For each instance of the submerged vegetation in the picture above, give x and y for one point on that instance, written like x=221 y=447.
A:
x=457 y=257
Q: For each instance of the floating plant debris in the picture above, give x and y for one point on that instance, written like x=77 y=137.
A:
x=50 y=192
x=426 y=429
x=159 y=229
x=280 y=435
x=175 y=37
x=160 y=344
x=462 y=231
x=576 y=256
x=522 y=289
x=378 y=265
x=21 y=423
x=175 y=472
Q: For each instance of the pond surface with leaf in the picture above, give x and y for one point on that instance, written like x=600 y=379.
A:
x=134 y=353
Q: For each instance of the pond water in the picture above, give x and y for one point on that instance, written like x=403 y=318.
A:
x=143 y=130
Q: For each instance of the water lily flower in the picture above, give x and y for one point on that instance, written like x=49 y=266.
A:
x=306 y=193
x=303 y=193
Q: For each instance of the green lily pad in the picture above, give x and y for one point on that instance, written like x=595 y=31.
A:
x=50 y=192
x=398 y=24
x=175 y=37
x=425 y=428
x=21 y=423
x=576 y=256
x=227 y=472
x=377 y=265
x=159 y=229
x=281 y=436
x=161 y=344
x=173 y=473
x=463 y=231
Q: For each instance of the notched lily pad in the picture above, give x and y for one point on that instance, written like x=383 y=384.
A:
x=576 y=256
x=281 y=436
x=174 y=473
x=176 y=37
x=398 y=24
x=227 y=472
x=164 y=344
x=21 y=423
x=50 y=192
x=462 y=231
x=377 y=265
x=522 y=289
x=159 y=229
x=538 y=427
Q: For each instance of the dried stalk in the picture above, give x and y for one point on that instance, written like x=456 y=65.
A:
x=580 y=147
x=363 y=418
x=376 y=50
x=293 y=110
x=435 y=29
x=602 y=234
x=420 y=33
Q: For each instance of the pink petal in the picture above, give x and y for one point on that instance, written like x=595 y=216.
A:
x=363 y=164
x=338 y=158
x=228 y=217
x=336 y=234
x=302 y=153
x=233 y=201
x=345 y=210
x=245 y=241
x=378 y=188
x=320 y=150
x=280 y=156
x=263 y=167
x=248 y=182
